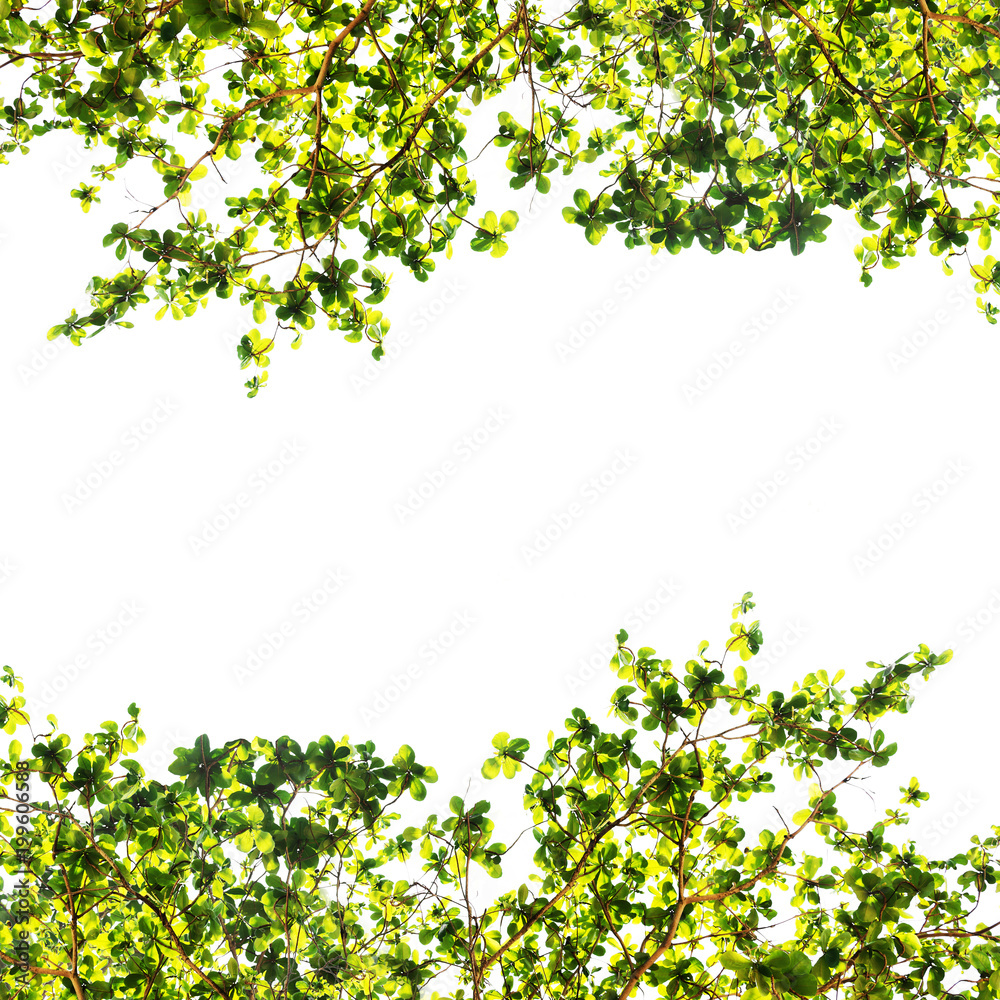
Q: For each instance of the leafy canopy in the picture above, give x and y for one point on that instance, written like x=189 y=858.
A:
x=276 y=869
x=729 y=124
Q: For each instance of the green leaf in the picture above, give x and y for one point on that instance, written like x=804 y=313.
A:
x=294 y=854
x=260 y=25
x=735 y=148
x=735 y=962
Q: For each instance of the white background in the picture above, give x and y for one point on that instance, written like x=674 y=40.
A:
x=658 y=551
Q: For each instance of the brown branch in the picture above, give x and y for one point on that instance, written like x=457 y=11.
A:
x=614 y=930
x=577 y=871
x=927 y=63
x=657 y=955
x=34 y=969
x=956 y=18
x=388 y=66
x=418 y=124
x=17 y=57
x=711 y=897
x=313 y=88
x=161 y=917
x=74 y=975
x=814 y=31
x=682 y=904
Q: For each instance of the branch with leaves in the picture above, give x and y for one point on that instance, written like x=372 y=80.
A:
x=738 y=125
x=278 y=870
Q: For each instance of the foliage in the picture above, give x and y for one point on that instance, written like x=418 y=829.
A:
x=726 y=124
x=272 y=869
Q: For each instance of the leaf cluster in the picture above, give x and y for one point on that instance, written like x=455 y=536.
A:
x=339 y=132
x=284 y=869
